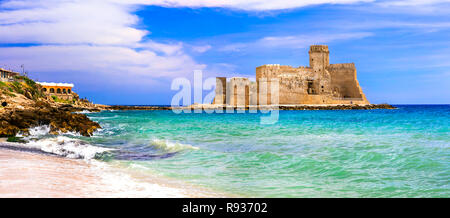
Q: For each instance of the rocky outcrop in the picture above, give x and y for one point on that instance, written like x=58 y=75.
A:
x=60 y=120
x=23 y=106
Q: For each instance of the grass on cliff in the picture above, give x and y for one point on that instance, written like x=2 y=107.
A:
x=22 y=85
x=6 y=89
x=31 y=86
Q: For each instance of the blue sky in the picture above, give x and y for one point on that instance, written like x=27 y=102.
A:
x=128 y=52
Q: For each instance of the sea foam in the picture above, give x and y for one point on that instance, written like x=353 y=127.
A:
x=64 y=146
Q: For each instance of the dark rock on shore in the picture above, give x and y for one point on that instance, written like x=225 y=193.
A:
x=43 y=113
x=72 y=108
x=294 y=107
x=339 y=107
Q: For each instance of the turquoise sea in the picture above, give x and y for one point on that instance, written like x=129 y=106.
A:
x=351 y=153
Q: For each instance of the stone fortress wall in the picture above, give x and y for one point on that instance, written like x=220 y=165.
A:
x=320 y=83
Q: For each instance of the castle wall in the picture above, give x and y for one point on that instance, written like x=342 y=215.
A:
x=344 y=83
x=221 y=90
x=239 y=91
x=253 y=95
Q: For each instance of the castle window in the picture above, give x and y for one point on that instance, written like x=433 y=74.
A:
x=310 y=89
x=58 y=91
x=64 y=91
x=69 y=91
x=52 y=90
x=44 y=89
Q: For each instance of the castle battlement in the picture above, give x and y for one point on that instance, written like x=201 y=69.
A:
x=345 y=65
x=319 y=48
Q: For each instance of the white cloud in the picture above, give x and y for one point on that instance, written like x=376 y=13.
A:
x=113 y=64
x=89 y=37
x=97 y=22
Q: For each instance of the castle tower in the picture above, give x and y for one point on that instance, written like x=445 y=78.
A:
x=221 y=90
x=319 y=57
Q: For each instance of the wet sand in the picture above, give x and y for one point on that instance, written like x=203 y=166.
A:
x=26 y=174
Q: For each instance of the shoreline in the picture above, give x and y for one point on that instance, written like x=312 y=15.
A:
x=251 y=107
x=36 y=174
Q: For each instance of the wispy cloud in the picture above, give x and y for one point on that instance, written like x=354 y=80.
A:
x=293 y=41
x=257 y=5
x=201 y=48
x=413 y=2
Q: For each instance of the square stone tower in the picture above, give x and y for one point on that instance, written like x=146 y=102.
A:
x=319 y=58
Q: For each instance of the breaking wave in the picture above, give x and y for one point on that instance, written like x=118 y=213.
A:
x=84 y=112
x=36 y=132
x=64 y=146
x=168 y=146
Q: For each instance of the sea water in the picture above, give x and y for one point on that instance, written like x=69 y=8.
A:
x=327 y=153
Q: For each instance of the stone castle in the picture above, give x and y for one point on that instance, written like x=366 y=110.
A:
x=320 y=83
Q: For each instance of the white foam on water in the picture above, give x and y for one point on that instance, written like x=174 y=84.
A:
x=44 y=130
x=122 y=184
x=39 y=130
x=74 y=134
x=169 y=146
x=84 y=112
x=36 y=132
x=65 y=147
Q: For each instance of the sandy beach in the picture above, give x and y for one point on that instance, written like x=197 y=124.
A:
x=27 y=174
